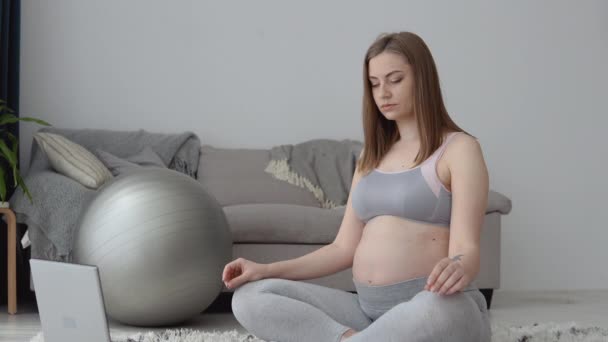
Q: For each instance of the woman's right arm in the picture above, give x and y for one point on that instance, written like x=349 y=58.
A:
x=332 y=258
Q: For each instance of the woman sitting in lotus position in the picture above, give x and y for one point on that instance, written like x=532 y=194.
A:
x=410 y=231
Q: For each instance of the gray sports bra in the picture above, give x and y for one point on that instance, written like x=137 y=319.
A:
x=415 y=194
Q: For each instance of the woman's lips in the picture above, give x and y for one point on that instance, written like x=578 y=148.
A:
x=388 y=107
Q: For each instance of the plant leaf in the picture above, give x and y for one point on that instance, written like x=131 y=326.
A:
x=13 y=138
x=4 y=107
x=2 y=186
x=38 y=121
x=15 y=172
x=15 y=151
x=25 y=189
x=13 y=167
x=8 y=118
x=15 y=142
x=6 y=158
x=8 y=154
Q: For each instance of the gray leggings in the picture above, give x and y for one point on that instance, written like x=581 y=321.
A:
x=286 y=310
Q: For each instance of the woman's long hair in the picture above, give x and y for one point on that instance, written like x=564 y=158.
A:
x=432 y=118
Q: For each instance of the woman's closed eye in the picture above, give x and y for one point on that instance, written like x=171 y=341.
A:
x=394 y=82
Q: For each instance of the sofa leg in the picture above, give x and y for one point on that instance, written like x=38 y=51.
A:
x=487 y=293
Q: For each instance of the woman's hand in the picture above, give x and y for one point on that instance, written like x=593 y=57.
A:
x=241 y=271
x=447 y=277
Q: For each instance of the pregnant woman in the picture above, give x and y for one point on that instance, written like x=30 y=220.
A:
x=411 y=228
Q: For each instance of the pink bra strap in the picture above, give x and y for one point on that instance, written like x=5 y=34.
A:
x=429 y=170
x=445 y=144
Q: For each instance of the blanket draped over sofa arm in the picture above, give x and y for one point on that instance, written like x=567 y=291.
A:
x=59 y=200
x=324 y=167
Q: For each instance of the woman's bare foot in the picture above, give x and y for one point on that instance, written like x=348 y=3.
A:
x=347 y=334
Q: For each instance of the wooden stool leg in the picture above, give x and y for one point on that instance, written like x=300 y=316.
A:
x=12 y=259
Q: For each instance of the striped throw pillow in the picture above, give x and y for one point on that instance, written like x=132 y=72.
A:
x=73 y=160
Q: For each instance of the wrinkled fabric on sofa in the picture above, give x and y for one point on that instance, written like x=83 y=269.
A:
x=325 y=167
x=59 y=200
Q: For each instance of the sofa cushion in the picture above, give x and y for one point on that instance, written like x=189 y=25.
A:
x=237 y=176
x=288 y=223
x=73 y=160
x=283 y=223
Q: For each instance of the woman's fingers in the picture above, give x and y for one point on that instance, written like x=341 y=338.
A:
x=231 y=274
x=457 y=287
x=228 y=272
x=435 y=278
x=450 y=282
x=238 y=281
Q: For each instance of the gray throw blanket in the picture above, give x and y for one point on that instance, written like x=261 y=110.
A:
x=325 y=167
x=59 y=200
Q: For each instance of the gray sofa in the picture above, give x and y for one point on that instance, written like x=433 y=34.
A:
x=272 y=220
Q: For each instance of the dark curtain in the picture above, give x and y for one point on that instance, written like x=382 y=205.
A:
x=10 y=26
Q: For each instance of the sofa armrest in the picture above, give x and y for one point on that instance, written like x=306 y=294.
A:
x=58 y=201
x=498 y=202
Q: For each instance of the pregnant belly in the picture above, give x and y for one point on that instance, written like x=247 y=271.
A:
x=393 y=249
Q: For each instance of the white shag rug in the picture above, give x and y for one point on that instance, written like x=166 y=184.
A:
x=537 y=332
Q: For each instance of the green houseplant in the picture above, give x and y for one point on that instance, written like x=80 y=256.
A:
x=9 y=147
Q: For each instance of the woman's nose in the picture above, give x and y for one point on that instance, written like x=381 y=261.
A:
x=384 y=93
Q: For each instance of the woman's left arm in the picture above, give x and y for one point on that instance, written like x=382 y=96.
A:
x=469 y=187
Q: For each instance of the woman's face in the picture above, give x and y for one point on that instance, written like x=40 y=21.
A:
x=392 y=82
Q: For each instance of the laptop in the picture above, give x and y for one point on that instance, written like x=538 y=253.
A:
x=70 y=302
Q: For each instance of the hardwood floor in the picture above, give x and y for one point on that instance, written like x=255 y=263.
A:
x=520 y=308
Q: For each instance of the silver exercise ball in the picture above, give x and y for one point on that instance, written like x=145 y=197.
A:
x=160 y=242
